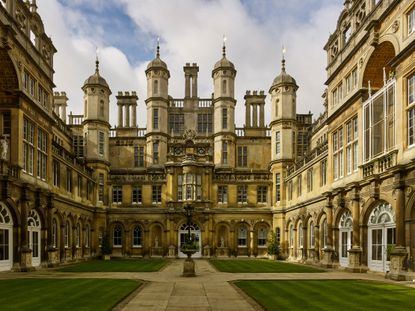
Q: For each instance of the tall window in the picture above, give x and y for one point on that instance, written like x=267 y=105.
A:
x=117 y=194
x=156 y=194
x=224 y=118
x=379 y=122
x=101 y=188
x=54 y=233
x=101 y=108
x=311 y=235
x=137 y=196
x=242 y=236
x=300 y=235
x=325 y=234
x=338 y=154
x=278 y=142
x=242 y=191
x=337 y=94
x=262 y=236
x=28 y=146
x=224 y=152
x=56 y=173
x=323 y=172
x=242 y=156
x=224 y=87
x=156 y=152
x=79 y=186
x=204 y=123
x=101 y=140
x=261 y=194
x=78 y=235
x=278 y=235
x=68 y=180
x=411 y=21
x=290 y=190
x=87 y=235
x=299 y=186
x=137 y=236
x=66 y=234
x=155 y=118
x=42 y=155
x=138 y=156
x=198 y=187
x=411 y=109
x=117 y=236
x=291 y=235
x=180 y=187
x=278 y=187
x=222 y=194
x=176 y=123
x=351 y=81
x=310 y=180
x=352 y=145
x=78 y=146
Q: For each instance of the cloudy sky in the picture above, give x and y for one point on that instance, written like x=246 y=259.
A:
x=125 y=32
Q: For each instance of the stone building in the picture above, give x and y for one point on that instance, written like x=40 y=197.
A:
x=337 y=191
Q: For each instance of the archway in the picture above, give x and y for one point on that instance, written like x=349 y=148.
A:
x=345 y=238
x=6 y=238
x=33 y=229
x=381 y=237
x=194 y=229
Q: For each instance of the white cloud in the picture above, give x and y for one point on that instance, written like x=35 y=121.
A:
x=191 y=31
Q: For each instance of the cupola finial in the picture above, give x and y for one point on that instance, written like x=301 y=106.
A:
x=283 y=59
x=158 y=48
x=96 y=61
x=224 y=46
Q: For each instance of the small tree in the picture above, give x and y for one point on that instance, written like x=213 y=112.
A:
x=105 y=245
x=273 y=245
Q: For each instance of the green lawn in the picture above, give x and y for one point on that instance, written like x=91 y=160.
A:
x=329 y=295
x=260 y=266
x=63 y=294
x=139 y=265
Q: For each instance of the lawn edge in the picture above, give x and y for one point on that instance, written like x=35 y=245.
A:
x=123 y=302
x=252 y=301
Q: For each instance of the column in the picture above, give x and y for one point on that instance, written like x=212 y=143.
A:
x=134 y=116
x=187 y=86
x=25 y=251
x=261 y=115
x=400 y=216
x=247 y=115
x=251 y=242
x=127 y=115
x=194 y=86
x=355 y=253
x=328 y=251
x=255 y=115
x=120 y=123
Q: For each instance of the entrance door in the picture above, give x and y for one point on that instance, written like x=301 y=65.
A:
x=33 y=230
x=6 y=239
x=345 y=238
x=381 y=237
x=194 y=229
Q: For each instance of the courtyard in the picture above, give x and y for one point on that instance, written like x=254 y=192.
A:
x=158 y=285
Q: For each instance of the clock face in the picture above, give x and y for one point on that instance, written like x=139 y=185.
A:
x=201 y=150
x=178 y=150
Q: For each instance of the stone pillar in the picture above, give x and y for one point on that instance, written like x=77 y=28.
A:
x=25 y=251
x=261 y=115
x=255 y=115
x=127 y=115
x=399 y=253
x=120 y=122
x=247 y=115
x=134 y=116
x=194 y=86
x=305 y=242
x=251 y=243
x=187 y=86
x=316 y=242
x=51 y=249
x=355 y=253
x=328 y=251
x=295 y=244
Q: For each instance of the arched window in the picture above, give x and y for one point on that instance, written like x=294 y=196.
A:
x=6 y=238
x=117 y=236
x=87 y=235
x=311 y=235
x=262 y=236
x=300 y=235
x=325 y=233
x=156 y=87
x=137 y=236
x=101 y=108
x=54 y=233
x=278 y=235
x=291 y=235
x=78 y=235
x=224 y=87
x=242 y=236
x=66 y=235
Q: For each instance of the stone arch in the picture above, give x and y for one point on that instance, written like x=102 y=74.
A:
x=337 y=216
x=11 y=206
x=156 y=234
x=9 y=80
x=369 y=206
x=380 y=57
x=222 y=230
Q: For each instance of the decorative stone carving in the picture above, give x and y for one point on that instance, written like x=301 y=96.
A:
x=189 y=134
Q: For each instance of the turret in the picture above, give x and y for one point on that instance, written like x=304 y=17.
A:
x=157 y=109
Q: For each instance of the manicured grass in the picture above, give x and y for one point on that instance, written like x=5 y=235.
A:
x=329 y=295
x=63 y=294
x=260 y=266
x=139 y=265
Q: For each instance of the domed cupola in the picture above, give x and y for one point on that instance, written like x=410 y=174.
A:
x=283 y=78
x=96 y=79
x=157 y=63
x=223 y=63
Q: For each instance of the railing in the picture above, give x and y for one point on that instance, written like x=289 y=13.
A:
x=308 y=157
x=177 y=103
x=140 y=132
x=240 y=132
x=76 y=119
x=70 y=158
x=380 y=165
x=205 y=103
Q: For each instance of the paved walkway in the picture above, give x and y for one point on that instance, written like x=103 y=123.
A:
x=209 y=290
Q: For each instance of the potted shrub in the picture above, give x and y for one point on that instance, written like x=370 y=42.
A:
x=273 y=246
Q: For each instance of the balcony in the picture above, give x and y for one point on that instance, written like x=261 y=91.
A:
x=380 y=164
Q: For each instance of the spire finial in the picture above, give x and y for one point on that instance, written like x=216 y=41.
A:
x=96 y=61
x=158 y=48
x=224 y=46
x=283 y=59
